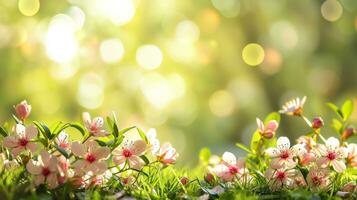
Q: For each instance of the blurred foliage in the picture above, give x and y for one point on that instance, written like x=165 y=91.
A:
x=176 y=65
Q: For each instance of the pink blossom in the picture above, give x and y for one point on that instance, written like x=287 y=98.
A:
x=283 y=155
x=23 y=110
x=332 y=154
x=95 y=126
x=64 y=171
x=293 y=107
x=307 y=158
x=92 y=157
x=230 y=167
x=308 y=142
x=280 y=178
x=62 y=140
x=268 y=131
x=44 y=169
x=167 y=154
x=318 y=179
x=21 y=141
x=131 y=153
x=352 y=155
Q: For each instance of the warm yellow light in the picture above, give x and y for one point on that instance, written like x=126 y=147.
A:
x=111 y=50
x=61 y=44
x=284 y=35
x=120 y=12
x=91 y=91
x=331 y=10
x=253 y=54
x=187 y=31
x=29 y=7
x=221 y=103
x=149 y=56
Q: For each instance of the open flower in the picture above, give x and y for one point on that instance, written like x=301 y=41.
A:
x=268 y=131
x=283 y=155
x=279 y=178
x=22 y=139
x=167 y=154
x=131 y=153
x=62 y=140
x=44 y=169
x=332 y=154
x=95 y=126
x=293 y=107
x=23 y=110
x=318 y=179
x=230 y=167
x=92 y=157
x=352 y=155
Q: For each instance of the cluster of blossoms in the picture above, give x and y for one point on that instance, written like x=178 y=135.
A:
x=313 y=163
x=53 y=159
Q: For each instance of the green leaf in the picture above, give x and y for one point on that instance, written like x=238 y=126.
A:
x=243 y=147
x=270 y=142
x=204 y=155
x=255 y=141
x=145 y=159
x=101 y=143
x=17 y=120
x=347 y=109
x=272 y=116
x=79 y=127
x=142 y=135
x=123 y=131
x=62 y=151
x=43 y=129
x=334 y=108
x=337 y=125
x=3 y=132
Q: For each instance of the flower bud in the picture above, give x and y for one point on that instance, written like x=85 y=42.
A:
x=349 y=187
x=22 y=110
x=77 y=181
x=317 y=123
x=209 y=178
x=348 y=132
x=184 y=180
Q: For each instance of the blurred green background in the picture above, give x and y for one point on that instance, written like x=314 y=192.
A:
x=183 y=67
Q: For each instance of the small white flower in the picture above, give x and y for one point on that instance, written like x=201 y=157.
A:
x=293 y=107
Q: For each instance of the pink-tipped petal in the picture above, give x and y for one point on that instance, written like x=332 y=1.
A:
x=32 y=146
x=78 y=149
x=138 y=147
x=272 y=125
x=10 y=142
x=33 y=167
x=45 y=157
x=16 y=151
x=31 y=132
x=102 y=153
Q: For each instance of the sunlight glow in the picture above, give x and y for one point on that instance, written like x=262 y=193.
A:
x=331 y=10
x=91 y=91
x=221 y=103
x=149 y=56
x=120 y=12
x=111 y=50
x=61 y=44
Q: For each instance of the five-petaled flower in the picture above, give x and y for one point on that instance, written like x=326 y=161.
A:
x=279 y=178
x=283 y=155
x=167 y=154
x=22 y=110
x=332 y=154
x=294 y=107
x=44 y=169
x=95 y=126
x=230 y=168
x=62 y=140
x=92 y=157
x=318 y=179
x=269 y=130
x=131 y=153
x=22 y=140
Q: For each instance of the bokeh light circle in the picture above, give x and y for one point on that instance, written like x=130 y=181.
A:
x=111 y=50
x=331 y=10
x=29 y=7
x=253 y=54
x=221 y=103
x=149 y=56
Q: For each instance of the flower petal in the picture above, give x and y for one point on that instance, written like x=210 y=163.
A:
x=272 y=152
x=332 y=143
x=10 y=142
x=45 y=158
x=101 y=152
x=98 y=122
x=339 y=166
x=32 y=146
x=86 y=119
x=39 y=179
x=283 y=143
x=260 y=125
x=119 y=159
x=33 y=167
x=138 y=147
x=16 y=151
x=20 y=130
x=229 y=158
x=78 y=149
x=136 y=162
x=272 y=125
x=52 y=180
x=31 y=132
